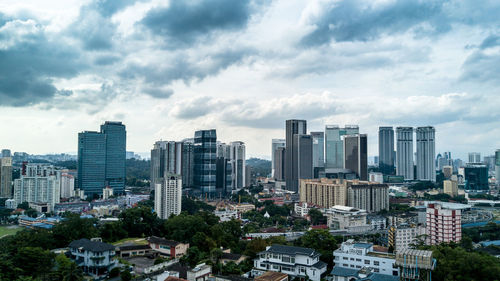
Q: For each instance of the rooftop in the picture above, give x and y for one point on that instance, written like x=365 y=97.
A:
x=291 y=250
x=93 y=246
x=163 y=241
x=271 y=276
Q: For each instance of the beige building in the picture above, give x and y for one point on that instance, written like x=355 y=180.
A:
x=6 y=177
x=323 y=192
x=450 y=188
x=447 y=171
x=342 y=217
x=166 y=247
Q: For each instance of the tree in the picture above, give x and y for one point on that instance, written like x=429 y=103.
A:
x=322 y=241
x=316 y=217
x=74 y=228
x=67 y=270
x=140 y=221
x=113 y=231
x=125 y=275
x=33 y=261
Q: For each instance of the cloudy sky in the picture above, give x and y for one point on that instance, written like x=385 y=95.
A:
x=167 y=68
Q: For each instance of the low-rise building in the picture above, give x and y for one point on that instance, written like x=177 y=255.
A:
x=94 y=257
x=199 y=273
x=405 y=236
x=294 y=261
x=302 y=208
x=361 y=255
x=10 y=204
x=168 y=248
x=272 y=276
x=227 y=215
x=126 y=251
x=364 y=274
x=343 y=217
x=242 y=208
x=230 y=257
x=377 y=222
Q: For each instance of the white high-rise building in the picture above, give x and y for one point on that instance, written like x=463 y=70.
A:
x=404 y=154
x=276 y=143
x=168 y=196
x=39 y=183
x=67 y=185
x=426 y=153
x=237 y=160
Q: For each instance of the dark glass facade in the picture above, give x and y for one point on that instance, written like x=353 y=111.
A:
x=205 y=160
x=476 y=177
x=116 y=147
x=386 y=150
x=293 y=127
x=91 y=162
x=356 y=155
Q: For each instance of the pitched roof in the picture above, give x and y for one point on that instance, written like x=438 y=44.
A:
x=320 y=265
x=162 y=241
x=343 y=271
x=93 y=246
x=230 y=256
x=291 y=250
x=173 y=278
x=134 y=247
x=271 y=276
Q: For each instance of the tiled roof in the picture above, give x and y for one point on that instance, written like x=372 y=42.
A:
x=344 y=272
x=162 y=241
x=93 y=246
x=320 y=265
x=230 y=256
x=291 y=250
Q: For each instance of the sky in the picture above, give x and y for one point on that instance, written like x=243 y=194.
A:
x=168 y=68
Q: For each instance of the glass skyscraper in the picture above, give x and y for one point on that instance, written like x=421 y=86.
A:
x=334 y=150
x=116 y=147
x=205 y=160
x=318 y=153
x=101 y=159
x=356 y=155
x=386 y=150
x=292 y=164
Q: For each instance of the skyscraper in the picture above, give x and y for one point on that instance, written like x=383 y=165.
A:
x=404 y=155
x=237 y=160
x=187 y=162
x=497 y=166
x=5 y=153
x=334 y=147
x=91 y=162
x=356 y=154
x=293 y=127
x=38 y=183
x=386 y=150
x=101 y=159
x=166 y=158
x=318 y=154
x=205 y=149
x=304 y=148
x=279 y=167
x=276 y=143
x=223 y=179
x=474 y=157
x=426 y=166
x=116 y=150
x=168 y=194
x=5 y=177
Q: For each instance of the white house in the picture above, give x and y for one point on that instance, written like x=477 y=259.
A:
x=361 y=255
x=94 y=257
x=294 y=261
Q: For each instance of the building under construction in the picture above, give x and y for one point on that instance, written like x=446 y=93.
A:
x=415 y=264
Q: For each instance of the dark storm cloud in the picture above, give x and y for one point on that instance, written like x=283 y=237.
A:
x=29 y=63
x=356 y=20
x=182 y=22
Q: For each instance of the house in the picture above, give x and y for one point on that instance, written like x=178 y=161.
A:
x=294 y=261
x=356 y=256
x=94 y=257
x=126 y=251
x=168 y=248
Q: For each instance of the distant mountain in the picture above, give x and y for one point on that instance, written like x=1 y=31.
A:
x=260 y=167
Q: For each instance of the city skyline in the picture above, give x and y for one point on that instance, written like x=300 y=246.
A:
x=70 y=65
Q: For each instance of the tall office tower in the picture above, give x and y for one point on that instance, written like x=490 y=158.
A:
x=187 y=163
x=237 y=160
x=293 y=127
x=223 y=179
x=304 y=148
x=5 y=177
x=386 y=150
x=279 y=167
x=116 y=149
x=497 y=166
x=276 y=143
x=5 y=153
x=404 y=155
x=443 y=225
x=318 y=155
x=91 y=162
x=474 y=157
x=334 y=147
x=166 y=158
x=356 y=154
x=38 y=183
x=426 y=166
x=205 y=160
x=168 y=194
x=476 y=177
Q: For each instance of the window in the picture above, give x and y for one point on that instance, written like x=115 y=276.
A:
x=376 y=263
x=376 y=270
x=358 y=266
x=285 y=259
x=367 y=261
x=344 y=258
x=292 y=260
x=358 y=259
